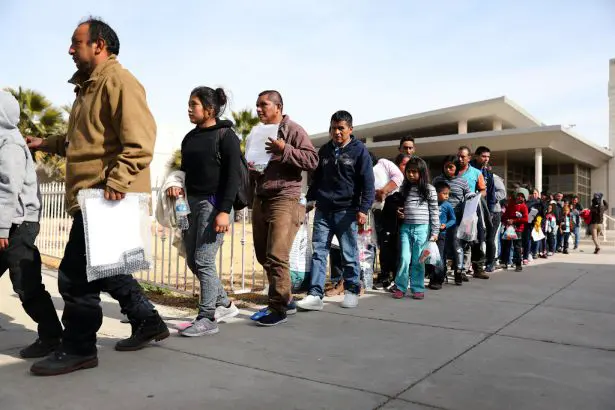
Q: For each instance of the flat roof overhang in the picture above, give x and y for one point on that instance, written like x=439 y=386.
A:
x=558 y=145
x=501 y=107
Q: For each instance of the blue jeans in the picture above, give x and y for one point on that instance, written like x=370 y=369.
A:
x=577 y=238
x=412 y=238
x=202 y=244
x=342 y=224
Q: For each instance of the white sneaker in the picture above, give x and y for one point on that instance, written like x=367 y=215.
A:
x=224 y=313
x=310 y=302
x=351 y=300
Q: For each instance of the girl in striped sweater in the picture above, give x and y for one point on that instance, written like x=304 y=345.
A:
x=421 y=222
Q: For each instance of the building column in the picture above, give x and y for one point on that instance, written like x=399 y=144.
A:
x=369 y=141
x=505 y=176
x=538 y=169
x=462 y=127
x=497 y=124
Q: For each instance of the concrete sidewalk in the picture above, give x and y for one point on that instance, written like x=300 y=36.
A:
x=540 y=339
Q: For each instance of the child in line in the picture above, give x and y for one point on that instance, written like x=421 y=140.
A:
x=447 y=221
x=550 y=228
x=516 y=215
x=566 y=225
x=421 y=223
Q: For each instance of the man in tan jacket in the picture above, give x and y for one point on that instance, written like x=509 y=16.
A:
x=109 y=145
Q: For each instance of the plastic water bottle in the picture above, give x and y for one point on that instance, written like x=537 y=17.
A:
x=181 y=212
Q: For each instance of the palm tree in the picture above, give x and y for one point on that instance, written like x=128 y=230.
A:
x=39 y=118
x=244 y=120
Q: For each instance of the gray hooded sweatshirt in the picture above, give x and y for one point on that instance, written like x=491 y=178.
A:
x=19 y=200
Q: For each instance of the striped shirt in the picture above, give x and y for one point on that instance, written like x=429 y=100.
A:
x=459 y=190
x=419 y=212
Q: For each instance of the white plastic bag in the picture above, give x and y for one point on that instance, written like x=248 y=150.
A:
x=431 y=254
x=468 y=227
x=118 y=236
x=510 y=234
x=537 y=235
x=300 y=258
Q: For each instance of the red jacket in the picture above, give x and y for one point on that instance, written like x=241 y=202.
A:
x=511 y=210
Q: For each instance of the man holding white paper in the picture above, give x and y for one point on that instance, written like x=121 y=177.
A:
x=109 y=145
x=277 y=212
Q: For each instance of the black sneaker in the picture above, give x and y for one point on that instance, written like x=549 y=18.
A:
x=458 y=279
x=40 y=349
x=434 y=286
x=464 y=277
x=565 y=252
x=144 y=332
x=60 y=362
x=519 y=268
x=272 y=319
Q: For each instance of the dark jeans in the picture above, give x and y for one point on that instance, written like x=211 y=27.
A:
x=565 y=239
x=506 y=247
x=23 y=261
x=275 y=222
x=82 y=311
x=527 y=240
x=551 y=242
x=437 y=274
x=387 y=229
x=490 y=257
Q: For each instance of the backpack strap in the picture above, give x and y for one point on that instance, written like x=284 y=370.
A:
x=221 y=133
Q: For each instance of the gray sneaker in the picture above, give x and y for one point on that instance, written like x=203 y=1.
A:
x=201 y=327
x=224 y=313
x=351 y=300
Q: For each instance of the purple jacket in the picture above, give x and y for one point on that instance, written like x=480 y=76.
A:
x=282 y=177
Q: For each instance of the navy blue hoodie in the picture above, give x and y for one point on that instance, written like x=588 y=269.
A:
x=344 y=178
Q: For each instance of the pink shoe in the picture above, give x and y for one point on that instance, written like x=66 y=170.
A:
x=526 y=262
x=418 y=296
x=398 y=294
x=183 y=325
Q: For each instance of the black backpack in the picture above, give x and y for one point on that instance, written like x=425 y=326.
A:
x=244 y=194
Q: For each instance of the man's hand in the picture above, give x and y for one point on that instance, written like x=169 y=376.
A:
x=433 y=238
x=113 y=195
x=510 y=222
x=380 y=195
x=222 y=222
x=34 y=143
x=275 y=146
x=310 y=206
x=4 y=243
x=442 y=227
x=175 y=192
x=361 y=218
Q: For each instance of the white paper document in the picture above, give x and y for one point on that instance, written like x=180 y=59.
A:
x=255 y=144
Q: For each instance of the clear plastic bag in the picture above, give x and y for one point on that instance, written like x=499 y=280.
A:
x=118 y=237
x=468 y=229
x=367 y=257
x=300 y=258
x=510 y=234
x=430 y=255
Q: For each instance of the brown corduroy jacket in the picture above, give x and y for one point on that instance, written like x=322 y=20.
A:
x=111 y=134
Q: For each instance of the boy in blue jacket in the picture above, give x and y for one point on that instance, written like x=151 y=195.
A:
x=447 y=220
x=343 y=188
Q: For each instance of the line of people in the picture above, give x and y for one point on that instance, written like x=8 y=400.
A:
x=109 y=145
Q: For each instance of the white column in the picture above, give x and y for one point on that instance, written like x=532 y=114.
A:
x=505 y=176
x=538 y=169
x=369 y=141
x=610 y=182
x=497 y=124
x=462 y=127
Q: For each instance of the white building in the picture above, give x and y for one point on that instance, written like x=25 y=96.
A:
x=550 y=157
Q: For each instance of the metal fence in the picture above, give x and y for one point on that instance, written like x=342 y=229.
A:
x=236 y=261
